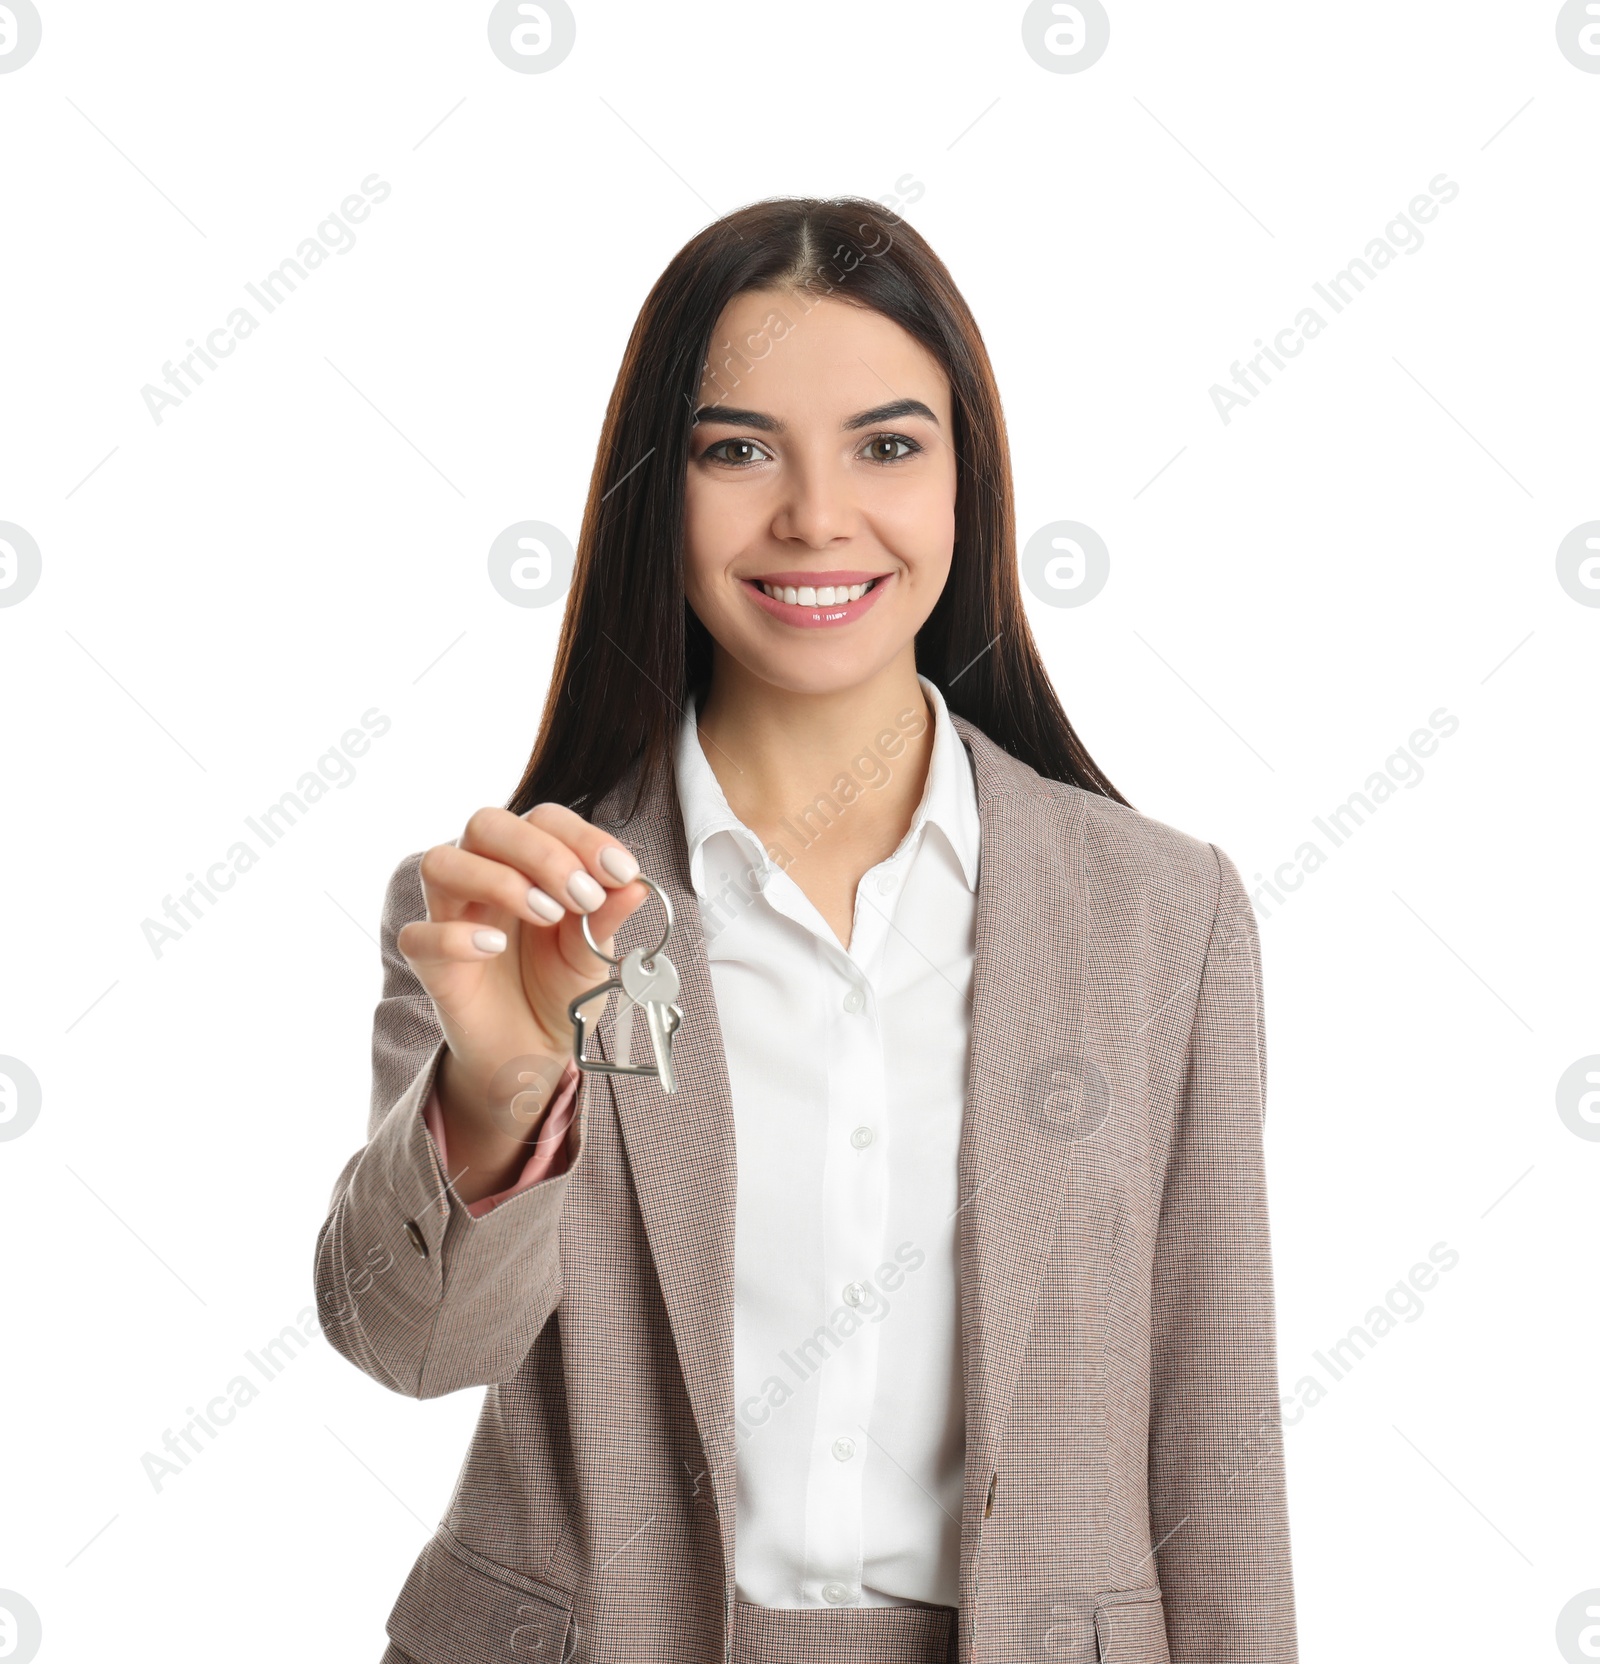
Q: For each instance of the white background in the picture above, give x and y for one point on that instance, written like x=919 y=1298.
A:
x=225 y=592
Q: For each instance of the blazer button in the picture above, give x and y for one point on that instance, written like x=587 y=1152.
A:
x=994 y=1482
x=418 y=1240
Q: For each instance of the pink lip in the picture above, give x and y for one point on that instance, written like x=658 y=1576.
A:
x=817 y=617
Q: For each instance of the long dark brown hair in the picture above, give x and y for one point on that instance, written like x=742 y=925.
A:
x=631 y=648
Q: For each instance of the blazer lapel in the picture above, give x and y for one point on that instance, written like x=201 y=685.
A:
x=1032 y=1090
x=680 y=1148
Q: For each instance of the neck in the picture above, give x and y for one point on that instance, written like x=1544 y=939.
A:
x=793 y=763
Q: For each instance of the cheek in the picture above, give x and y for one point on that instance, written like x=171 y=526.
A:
x=703 y=532
x=922 y=528
x=714 y=522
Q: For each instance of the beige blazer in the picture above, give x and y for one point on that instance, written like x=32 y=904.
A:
x=1124 y=1494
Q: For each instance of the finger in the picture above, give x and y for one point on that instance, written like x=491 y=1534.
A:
x=455 y=879
x=577 y=873
x=427 y=945
x=612 y=863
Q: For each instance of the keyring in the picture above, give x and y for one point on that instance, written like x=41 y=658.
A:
x=647 y=983
x=666 y=935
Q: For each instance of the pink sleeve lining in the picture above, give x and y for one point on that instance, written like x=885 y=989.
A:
x=549 y=1157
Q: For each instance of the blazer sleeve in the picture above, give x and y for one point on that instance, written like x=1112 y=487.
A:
x=1217 y=1506
x=411 y=1287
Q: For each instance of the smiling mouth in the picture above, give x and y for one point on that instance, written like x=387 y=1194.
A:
x=815 y=595
x=788 y=599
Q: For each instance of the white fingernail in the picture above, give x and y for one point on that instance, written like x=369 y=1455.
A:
x=586 y=894
x=489 y=941
x=620 y=864
x=545 y=907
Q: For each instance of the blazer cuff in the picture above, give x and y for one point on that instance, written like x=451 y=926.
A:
x=425 y=1296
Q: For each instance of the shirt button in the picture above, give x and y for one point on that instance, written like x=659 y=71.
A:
x=861 y=1137
x=836 y=1594
x=844 y=1449
x=854 y=1294
x=854 y=1000
x=887 y=883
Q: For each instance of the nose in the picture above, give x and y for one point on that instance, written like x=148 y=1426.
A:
x=817 y=507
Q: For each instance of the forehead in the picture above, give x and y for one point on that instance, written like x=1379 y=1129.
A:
x=783 y=348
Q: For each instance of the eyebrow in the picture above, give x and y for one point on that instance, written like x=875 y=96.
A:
x=731 y=417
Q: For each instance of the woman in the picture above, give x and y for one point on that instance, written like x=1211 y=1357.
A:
x=930 y=1317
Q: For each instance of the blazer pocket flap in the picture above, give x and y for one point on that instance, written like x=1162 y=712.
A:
x=459 y=1608
x=1130 y=1627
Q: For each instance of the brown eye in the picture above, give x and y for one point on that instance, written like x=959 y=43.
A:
x=882 y=447
x=748 y=451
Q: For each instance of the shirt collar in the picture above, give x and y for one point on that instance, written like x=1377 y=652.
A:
x=949 y=797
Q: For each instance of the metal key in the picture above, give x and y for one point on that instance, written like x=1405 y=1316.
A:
x=647 y=980
x=655 y=987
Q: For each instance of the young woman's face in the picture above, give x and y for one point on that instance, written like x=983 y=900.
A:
x=821 y=461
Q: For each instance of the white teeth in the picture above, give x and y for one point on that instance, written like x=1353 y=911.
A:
x=826 y=596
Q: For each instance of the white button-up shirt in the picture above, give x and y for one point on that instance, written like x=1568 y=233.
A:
x=848 y=1071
